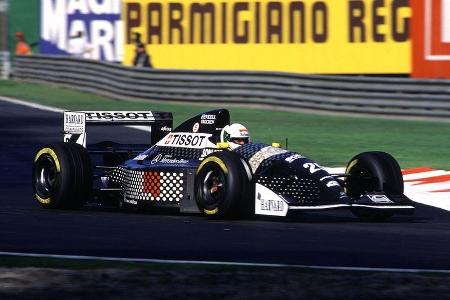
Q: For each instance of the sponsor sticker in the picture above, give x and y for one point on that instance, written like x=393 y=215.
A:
x=379 y=199
x=167 y=159
x=185 y=140
x=208 y=119
x=206 y=152
x=141 y=157
x=294 y=157
x=195 y=127
x=243 y=132
x=269 y=203
x=101 y=116
x=74 y=122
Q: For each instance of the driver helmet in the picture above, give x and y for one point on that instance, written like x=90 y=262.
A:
x=235 y=135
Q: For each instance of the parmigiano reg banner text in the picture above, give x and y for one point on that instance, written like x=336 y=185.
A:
x=310 y=36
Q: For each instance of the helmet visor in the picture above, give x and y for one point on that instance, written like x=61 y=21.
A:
x=240 y=140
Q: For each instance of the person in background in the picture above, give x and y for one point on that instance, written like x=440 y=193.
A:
x=141 y=58
x=79 y=47
x=22 y=47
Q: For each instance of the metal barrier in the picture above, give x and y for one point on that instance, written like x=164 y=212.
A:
x=5 y=65
x=356 y=94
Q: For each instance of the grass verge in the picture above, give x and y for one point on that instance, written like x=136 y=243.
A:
x=40 y=278
x=330 y=140
x=90 y=264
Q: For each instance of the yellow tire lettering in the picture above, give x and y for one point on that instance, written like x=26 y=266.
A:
x=215 y=160
x=351 y=165
x=42 y=200
x=52 y=154
x=347 y=170
x=211 y=211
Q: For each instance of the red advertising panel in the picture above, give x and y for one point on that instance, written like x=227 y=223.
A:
x=431 y=38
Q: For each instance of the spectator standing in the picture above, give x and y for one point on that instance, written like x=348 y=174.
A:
x=141 y=58
x=79 y=47
x=22 y=47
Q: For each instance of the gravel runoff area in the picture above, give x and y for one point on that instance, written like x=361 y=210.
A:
x=226 y=283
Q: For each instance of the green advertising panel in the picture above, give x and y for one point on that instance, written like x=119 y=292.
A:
x=24 y=16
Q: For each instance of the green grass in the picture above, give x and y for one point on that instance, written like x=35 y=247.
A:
x=330 y=140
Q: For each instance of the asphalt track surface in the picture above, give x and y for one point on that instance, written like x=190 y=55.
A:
x=327 y=239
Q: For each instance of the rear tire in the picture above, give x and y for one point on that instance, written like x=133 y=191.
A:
x=222 y=186
x=373 y=172
x=62 y=176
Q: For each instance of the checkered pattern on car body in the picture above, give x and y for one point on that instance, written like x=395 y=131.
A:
x=151 y=185
x=294 y=189
x=273 y=159
x=290 y=174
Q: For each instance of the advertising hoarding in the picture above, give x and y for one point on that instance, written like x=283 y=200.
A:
x=85 y=28
x=309 y=36
x=431 y=38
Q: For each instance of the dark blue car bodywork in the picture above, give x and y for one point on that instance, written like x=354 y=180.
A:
x=282 y=181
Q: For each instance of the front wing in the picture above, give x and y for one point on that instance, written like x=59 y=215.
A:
x=269 y=203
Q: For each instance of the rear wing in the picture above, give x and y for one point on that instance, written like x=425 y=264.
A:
x=159 y=123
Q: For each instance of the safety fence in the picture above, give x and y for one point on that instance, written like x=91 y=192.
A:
x=5 y=66
x=356 y=94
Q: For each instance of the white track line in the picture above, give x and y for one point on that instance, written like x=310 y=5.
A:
x=222 y=263
x=423 y=175
x=31 y=104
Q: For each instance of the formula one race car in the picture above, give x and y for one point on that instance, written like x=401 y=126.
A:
x=190 y=169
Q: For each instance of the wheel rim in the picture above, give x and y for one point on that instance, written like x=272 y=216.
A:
x=213 y=187
x=45 y=175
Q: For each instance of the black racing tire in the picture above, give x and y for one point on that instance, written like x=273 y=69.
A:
x=373 y=172
x=222 y=186
x=62 y=176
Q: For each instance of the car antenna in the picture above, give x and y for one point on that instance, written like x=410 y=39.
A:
x=286 y=147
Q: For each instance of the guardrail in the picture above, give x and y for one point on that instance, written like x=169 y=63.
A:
x=356 y=94
x=5 y=65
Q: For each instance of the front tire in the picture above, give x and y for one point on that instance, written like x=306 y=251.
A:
x=372 y=172
x=62 y=176
x=222 y=186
